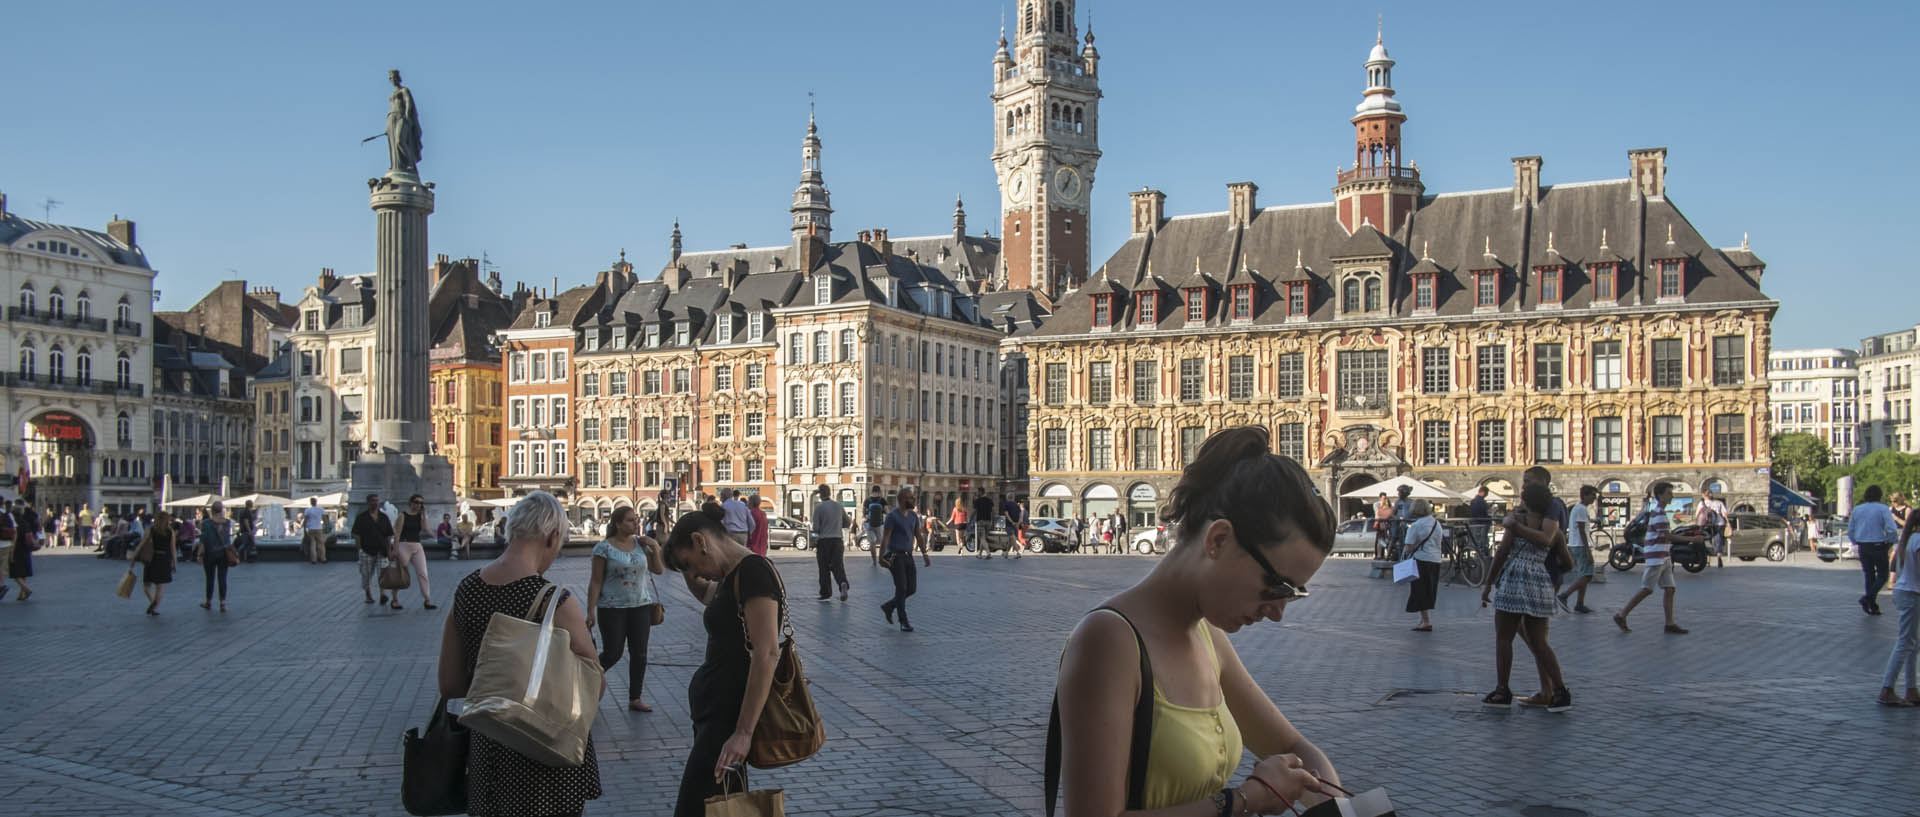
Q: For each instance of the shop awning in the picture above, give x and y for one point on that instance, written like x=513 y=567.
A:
x=1780 y=498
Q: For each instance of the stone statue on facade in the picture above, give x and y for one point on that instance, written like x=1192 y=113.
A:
x=403 y=129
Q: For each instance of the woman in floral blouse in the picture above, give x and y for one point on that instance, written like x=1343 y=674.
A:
x=622 y=597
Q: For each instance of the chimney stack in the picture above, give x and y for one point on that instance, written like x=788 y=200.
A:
x=1648 y=170
x=328 y=280
x=3 y=205
x=1149 y=208
x=1526 y=181
x=122 y=230
x=1241 y=204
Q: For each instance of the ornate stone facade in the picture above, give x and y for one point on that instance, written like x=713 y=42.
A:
x=1460 y=337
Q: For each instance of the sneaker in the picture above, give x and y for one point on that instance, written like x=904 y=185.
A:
x=1676 y=629
x=1562 y=701
x=1581 y=608
x=1500 y=698
x=1622 y=621
x=905 y=627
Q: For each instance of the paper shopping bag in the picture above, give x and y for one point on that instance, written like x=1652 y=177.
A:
x=760 y=803
x=1405 y=570
x=1372 y=803
x=125 y=590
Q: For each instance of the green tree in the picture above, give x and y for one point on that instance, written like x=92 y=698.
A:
x=1889 y=469
x=1798 y=460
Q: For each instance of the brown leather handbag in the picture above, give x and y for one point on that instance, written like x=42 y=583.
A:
x=395 y=576
x=789 y=729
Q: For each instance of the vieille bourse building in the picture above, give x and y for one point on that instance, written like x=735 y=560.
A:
x=1457 y=337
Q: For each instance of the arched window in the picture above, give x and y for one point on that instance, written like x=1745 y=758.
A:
x=123 y=430
x=1079 y=120
x=56 y=303
x=26 y=361
x=56 y=364
x=1009 y=123
x=123 y=370
x=1060 y=17
x=1350 y=295
x=83 y=367
x=26 y=299
x=83 y=305
x=1053 y=116
x=1029 y=21
x=124 y=312
x=1373 y=294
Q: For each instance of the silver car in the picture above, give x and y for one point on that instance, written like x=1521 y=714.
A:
x=1354 y=537
x=787 y=532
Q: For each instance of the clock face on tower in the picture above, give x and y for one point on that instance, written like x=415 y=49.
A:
x=1066 y=182
x=1017 y=188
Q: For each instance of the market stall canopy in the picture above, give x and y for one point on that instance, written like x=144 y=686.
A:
x=260 y=500
x=1421 y=490
x=196 y=501
x=1781 y=498
x=332 y=500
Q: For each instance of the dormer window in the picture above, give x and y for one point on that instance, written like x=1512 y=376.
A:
x=1361 y=294
x=1297 y=301
x=1102 y=311
x=756 y=325
x=589 y=341
x=893 y=293
x=726 y=329
x=822 y=290
x=541 y=320
x=681 y=332
x=1243 y=302
x=1423 y=290
x=653 y=336
x=350 y=315
x=619 y=337
x=1149 y=308
x=1196 y=305
x=1551 y=293
x=1670 y=278
x=1486 y=289
x=1606 y=282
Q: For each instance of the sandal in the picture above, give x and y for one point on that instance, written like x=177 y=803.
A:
x=1500 y=698
x=1424 y=628
x=396 y=605
x=638 y=706
x=1676 y=629
x=1562 y=700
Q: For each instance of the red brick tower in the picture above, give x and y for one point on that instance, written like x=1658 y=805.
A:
x=1380 y=189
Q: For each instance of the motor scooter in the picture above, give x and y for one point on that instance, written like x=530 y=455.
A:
x=1689 y=556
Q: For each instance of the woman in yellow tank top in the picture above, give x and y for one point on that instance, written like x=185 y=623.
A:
x=1250 y=532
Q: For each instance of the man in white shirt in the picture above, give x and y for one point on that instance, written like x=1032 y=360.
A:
x=314 y=537
x=738 y=520
x=1872 y=529
x=1580 y=544
x=1713 y=517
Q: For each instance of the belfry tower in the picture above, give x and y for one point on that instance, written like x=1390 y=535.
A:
x=1380 y=189
x=1046 y=144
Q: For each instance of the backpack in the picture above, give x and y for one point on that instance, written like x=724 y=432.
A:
x=1636 y=532
x=876 y=512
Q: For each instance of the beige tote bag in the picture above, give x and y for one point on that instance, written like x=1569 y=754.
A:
x=530 y=692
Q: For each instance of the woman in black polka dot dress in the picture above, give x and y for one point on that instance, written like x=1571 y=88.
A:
x=500 y=781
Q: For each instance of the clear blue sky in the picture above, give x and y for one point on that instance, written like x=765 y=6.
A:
x=559 y=134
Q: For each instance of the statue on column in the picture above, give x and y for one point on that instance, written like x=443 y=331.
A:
x=403 y=129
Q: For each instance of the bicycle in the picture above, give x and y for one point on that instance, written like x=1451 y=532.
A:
x=1465 y=559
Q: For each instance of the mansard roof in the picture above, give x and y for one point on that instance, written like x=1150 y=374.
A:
x=13 y=228
x=1453 y=235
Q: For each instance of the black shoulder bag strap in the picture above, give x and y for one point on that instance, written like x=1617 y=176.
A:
x=1137 y=748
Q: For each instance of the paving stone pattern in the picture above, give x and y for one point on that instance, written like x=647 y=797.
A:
x=294 y=702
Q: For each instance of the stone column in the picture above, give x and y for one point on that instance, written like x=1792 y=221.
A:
x=399 y=384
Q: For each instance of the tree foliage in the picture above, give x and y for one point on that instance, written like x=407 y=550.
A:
x=1798 y=460
x=1889 y=469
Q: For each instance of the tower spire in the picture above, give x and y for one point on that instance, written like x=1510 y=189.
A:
x=1382 y=187
x=674 y=255
x=812 y=209
x=959 y=219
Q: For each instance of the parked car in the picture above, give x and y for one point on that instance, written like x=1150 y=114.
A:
x=1057 y=527
x=1835 y=544
x=1753 y=535
x=787 y=532
x=1354 y=537
x=1149 y=540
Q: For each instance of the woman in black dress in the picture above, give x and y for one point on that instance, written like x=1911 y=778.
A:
x=500 y=781
x=745 y=600
x=26 y=529
x=157 y=553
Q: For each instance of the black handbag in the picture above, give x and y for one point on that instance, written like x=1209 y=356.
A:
x=433 y=776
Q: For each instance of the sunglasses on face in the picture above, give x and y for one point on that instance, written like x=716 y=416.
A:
x=1278 y=588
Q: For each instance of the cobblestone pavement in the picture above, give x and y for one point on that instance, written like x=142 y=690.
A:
x=294 y=702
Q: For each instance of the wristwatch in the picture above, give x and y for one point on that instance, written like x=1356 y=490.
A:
x=1223 y=800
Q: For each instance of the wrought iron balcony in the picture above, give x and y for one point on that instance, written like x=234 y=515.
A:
x=121 y=327
x=15 y=313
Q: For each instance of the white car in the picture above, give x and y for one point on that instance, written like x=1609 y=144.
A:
x=1149 y=540
x=1057 y=527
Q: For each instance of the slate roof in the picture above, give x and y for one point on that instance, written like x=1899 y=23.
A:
x=13 y=228
x=466 y=313
x=1457 y=230
x=193 y=373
